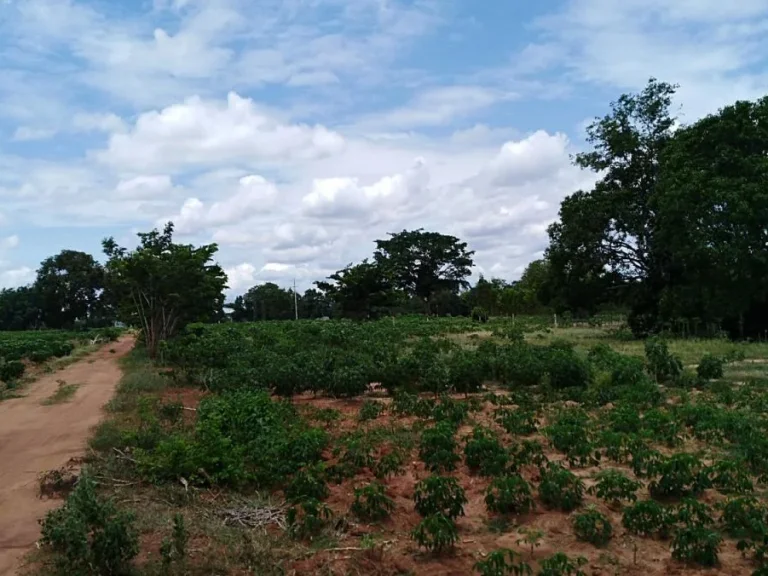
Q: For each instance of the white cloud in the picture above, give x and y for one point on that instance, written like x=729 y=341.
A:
x=200 y=133
x=528 y=160
x=16 y=277
x=438 y=106
x=240 y=277
x=98 y=122
x=345 y=197
x=254 y=194
x=27 y=133
x=144 y=187
x=9 y=242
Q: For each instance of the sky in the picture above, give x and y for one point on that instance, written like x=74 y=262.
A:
x=294 y=133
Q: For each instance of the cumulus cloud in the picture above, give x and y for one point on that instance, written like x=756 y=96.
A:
x=253 y=194
x=16 y=277
x=200 y=132
x=345 y=197
x=144 y=187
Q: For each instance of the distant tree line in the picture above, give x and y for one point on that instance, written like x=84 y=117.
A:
x=675 y=230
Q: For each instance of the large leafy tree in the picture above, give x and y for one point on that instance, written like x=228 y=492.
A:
x=19 y=309
x=161 y=286
x=423 y=263
x=713 y=219
x=608 y=236
x=360 y=290
x=68 y=287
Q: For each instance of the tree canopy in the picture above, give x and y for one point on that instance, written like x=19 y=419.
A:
x=161 y=286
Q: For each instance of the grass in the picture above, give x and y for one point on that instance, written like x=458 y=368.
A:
x=64 y=393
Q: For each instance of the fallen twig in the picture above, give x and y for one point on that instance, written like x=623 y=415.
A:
x=250 y=517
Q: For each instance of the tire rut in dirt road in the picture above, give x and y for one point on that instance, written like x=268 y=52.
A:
x=36 y=438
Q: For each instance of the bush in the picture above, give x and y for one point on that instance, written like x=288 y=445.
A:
x=484 y=453
x=647 y=518
x=592 y=526
x=731 y=477
x=662 y=365
x=694 y=513
x=560 y=488
x=437 y=447
x=440 y=495
x=436 y=533
x=11 y=370
x=307 y=519
x=503 y=562
x=615 y=487
x=567 y=369
x=744 y=517
x=710 y=367
x=390 y=464
x=520 y=365
x=570 y=434
x=466 y=371
x=696 y=544
x=509 y=495
x=89 y=536
x=307 y=484
x=370 y=410
x=680 y=475
x=561 y=565
x=517 y=421
x=372 y=503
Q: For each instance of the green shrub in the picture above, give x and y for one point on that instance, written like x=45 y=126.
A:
x=440 y=495
x=561 y=565
x=520 y=365
x=437 y=448
x=509 y=495
x=560 y=488
x=11 y=370
x=647 y=518
x=436 y=533
x=730 y=477
x=466 y=371
x=744 y=517
x=517 y=421
x=307 y=484
x=503 y=562
x=528 y=452
x=662 y=365
x=592 y=526
x=307 y=519
x=694 y=513
x=567 y=369
x=372 y=503
x=570 y=434
x=450 y=411
x=615 y=487
x=370 y=410
x=174 y=549
x=697 y=545
x=710 y=367
x=484 y=453
x=390 y=464
x=89 y=535
x=679 y=475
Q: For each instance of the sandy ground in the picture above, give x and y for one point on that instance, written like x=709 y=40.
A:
x=36 y=438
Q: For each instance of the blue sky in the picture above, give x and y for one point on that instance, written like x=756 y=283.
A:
x=295 y=132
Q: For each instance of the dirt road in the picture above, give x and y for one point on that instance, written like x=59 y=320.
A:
x=36 y=438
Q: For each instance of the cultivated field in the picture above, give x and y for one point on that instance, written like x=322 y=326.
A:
x=420 y=446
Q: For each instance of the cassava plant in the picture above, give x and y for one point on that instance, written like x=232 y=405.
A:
x=509 y=495
x=372 y=503
x=440 y=495
x=592 y=526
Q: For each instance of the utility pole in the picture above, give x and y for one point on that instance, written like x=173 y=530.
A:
x=295 y=300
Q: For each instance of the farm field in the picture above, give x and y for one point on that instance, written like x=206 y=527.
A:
x=420 y=446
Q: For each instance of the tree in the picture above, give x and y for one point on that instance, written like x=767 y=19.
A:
x=19 y=309
x=713 y=220
x=162 y=286
x=423 y=263
x=314 y=304
x=607 y=237
x=360 y=291
x=68 y=286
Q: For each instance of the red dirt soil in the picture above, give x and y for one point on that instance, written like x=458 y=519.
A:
x=36 y=438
